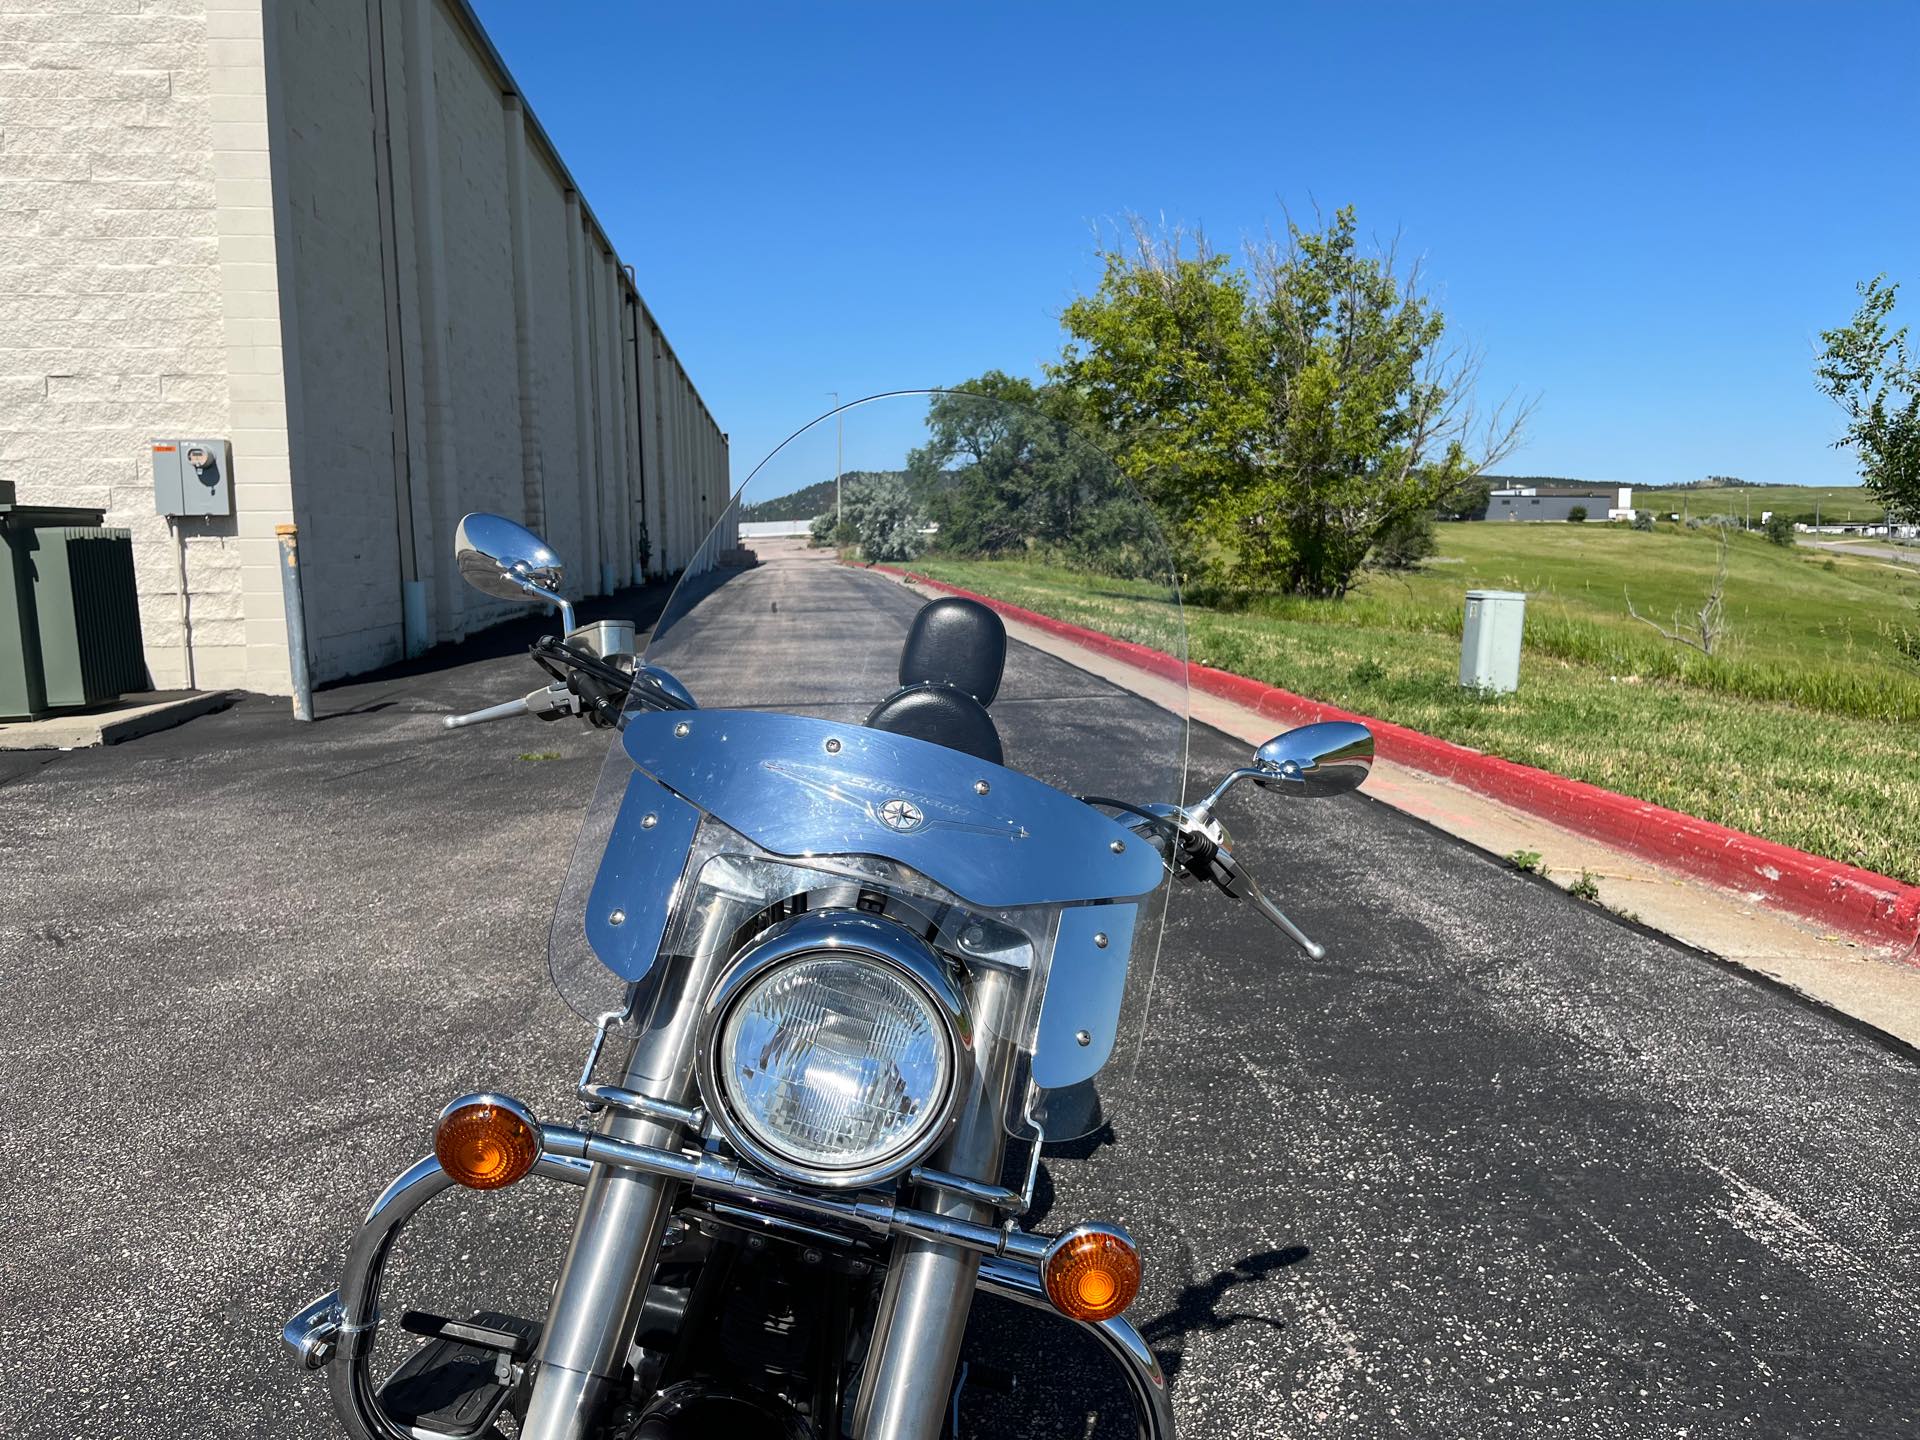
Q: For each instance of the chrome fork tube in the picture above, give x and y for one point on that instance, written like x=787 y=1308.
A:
x=922 y=1317
x=596 y=1302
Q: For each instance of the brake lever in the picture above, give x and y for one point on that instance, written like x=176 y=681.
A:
x=1279 y=917
x=1206 y=852
x=547 y=703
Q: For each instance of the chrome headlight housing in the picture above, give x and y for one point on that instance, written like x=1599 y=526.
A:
x=835 y=1049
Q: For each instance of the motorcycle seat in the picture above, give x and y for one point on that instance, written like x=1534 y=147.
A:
x=942 y=715
x=950 y=669
x=957 y=642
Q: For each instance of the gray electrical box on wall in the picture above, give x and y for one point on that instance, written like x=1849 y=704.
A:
x=192 y=477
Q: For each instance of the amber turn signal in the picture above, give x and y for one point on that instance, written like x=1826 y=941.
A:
x=1092 y=1272
x=486 y=1142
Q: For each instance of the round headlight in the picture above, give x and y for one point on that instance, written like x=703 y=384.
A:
x=831 y=1065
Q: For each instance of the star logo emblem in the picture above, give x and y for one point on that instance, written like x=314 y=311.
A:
x=902 y=815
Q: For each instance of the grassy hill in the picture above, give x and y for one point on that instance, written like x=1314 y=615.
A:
x=812 y=500
x=1805 y=729
x=1838 y=504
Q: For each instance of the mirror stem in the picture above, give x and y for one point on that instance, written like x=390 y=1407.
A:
x=1203 y=812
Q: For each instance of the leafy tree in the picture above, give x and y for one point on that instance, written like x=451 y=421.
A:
x=1577 y=514
x=1003 y=472
x=882 y=515
x=821 y=532
x=1643 y=520
x=1779 y=527
x=1286 y=414
x=1866 y=370
x=1468 y=500
x=1404 y=542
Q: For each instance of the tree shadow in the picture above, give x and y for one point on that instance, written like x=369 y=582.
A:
x=1196 y=1309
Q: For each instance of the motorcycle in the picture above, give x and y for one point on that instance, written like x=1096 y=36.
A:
x=856 y=931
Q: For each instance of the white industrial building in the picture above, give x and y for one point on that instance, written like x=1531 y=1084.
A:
x=330 y=235
x=1558 y=502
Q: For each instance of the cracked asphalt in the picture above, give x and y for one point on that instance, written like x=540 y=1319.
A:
x=1501 y=1165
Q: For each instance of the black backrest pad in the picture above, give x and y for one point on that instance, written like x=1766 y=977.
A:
x=942 y=715
x=956 y=642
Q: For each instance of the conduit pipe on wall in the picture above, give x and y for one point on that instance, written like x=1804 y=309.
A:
x=414 y=632
x=614 y=421
x=645 y=526
x=532 y=470
x=582 y=378
x=423 y=154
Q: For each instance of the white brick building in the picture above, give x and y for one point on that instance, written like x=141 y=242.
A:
x=328 y=231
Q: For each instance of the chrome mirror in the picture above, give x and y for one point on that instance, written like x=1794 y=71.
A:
x=1329 y=758
x=508 y=561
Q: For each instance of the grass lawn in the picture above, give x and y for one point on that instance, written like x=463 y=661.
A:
x=1837 y=504
x=1807 y=731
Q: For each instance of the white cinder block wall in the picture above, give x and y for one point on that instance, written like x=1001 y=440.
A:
x=330 y=231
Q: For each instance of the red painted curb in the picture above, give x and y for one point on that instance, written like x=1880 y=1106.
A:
x=1843 y=897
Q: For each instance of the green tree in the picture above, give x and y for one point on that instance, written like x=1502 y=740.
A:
x=1285 y=415
x=1866 y=370
x=1404 y=543
x=1577 y=513
x=883 y=517
x=1005 y=471
x=1779 y=527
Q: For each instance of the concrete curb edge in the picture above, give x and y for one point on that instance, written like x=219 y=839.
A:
x=1871 y=907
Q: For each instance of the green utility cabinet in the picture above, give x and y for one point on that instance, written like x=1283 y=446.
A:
x=69 y=610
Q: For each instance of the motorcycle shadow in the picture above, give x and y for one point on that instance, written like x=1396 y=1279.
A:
x=1030 y=1375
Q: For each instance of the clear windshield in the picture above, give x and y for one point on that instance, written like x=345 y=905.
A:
x=852 y=745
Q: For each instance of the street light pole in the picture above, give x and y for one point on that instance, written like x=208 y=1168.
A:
x=839 y=460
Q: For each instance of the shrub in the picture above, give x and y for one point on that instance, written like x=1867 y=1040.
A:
x=820 y=533
x=1643 y=520
x=1405 y=541
x=1779 y=528
x=882 y=516
x=1577 y=514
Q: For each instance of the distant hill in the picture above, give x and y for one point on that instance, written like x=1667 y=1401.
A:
x=814 y=499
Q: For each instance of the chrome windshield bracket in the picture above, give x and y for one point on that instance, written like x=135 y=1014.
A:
x=600 y=1030
x=998 y=1197
x=632 y=1102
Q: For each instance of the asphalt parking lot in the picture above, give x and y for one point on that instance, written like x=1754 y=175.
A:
x=1500 y=1165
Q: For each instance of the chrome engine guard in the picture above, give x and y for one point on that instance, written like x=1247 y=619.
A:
x=336 y=1331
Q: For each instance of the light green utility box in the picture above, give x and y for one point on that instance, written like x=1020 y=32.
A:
x=69 y=610
x=1490 y=640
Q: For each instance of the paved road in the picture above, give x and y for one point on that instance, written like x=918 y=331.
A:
x=1501 y=1165
x=1873 y=550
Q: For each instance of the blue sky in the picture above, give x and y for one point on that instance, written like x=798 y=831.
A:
x=1643 y=214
